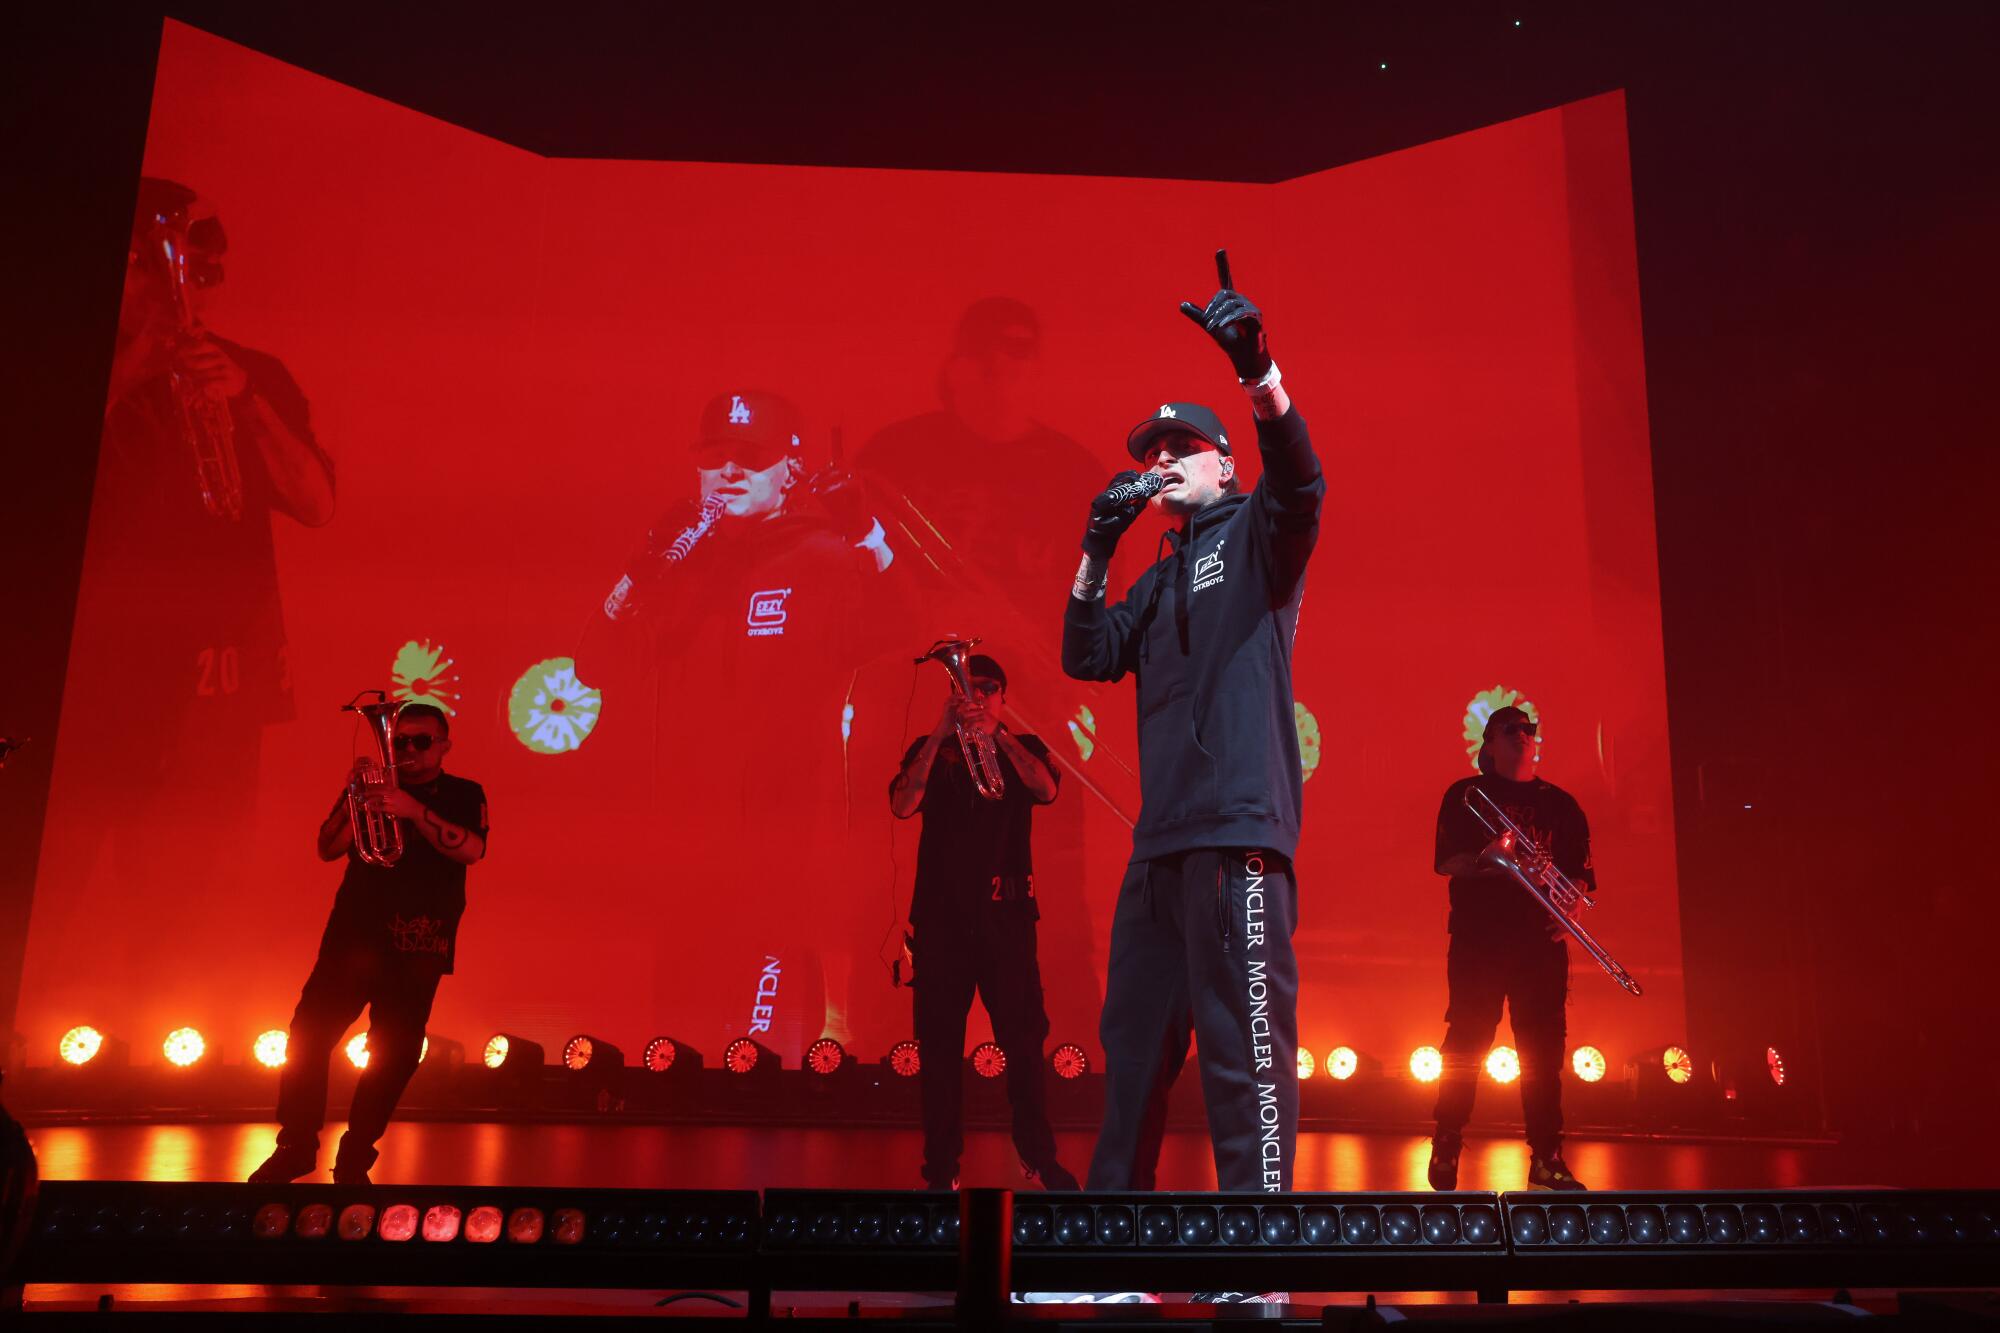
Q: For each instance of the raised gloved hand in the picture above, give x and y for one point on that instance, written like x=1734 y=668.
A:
x=1110 y=514
x=841 y=493
x=1235 y=324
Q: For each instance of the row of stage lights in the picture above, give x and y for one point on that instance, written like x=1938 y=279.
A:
x=186 y=1046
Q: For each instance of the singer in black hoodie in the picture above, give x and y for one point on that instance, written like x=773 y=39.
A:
x=1201 y=941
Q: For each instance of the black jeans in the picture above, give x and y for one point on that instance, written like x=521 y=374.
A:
x=1202 y=943
x=398 y=999
x=994 y=957
x=1528 y=972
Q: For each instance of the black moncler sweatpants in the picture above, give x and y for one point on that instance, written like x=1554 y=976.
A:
x=1202 y=943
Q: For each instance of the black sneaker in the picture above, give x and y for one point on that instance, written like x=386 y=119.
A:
x=1444 y=1165
x=1552 y=1173
x=284 y=1166
x=1240 y=1298
x=1053 y=1175
x=942 y=1183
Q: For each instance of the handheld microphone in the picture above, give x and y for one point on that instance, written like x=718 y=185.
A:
x=1145 y=488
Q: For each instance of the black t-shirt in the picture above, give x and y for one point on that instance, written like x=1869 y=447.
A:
x=408 y=913
x=1547 y=814
x=974 y=851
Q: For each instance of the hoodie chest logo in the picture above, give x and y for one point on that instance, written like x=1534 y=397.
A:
x=767 y=612
x=1208 y=569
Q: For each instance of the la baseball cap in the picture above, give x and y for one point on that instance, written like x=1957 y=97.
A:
x=752 y=418
x=1190 y=417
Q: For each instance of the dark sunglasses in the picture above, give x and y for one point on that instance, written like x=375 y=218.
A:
x=417 y=743
x=750 y=457
x=988 y=686
x=1521 y=729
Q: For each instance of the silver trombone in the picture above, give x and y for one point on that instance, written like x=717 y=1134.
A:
x=1558 y=894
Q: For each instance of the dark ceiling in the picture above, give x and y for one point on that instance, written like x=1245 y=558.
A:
x=1253 y=91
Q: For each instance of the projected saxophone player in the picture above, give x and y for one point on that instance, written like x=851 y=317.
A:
x=206 y=442
x=390 y=939
x=972 y=916
x=751 y=605
x=1202 y=934
x=1506 y=949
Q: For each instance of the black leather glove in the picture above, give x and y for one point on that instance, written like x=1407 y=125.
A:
x=677 y=518
x=841 y=493
x=1110 y=516
x=1235 y=324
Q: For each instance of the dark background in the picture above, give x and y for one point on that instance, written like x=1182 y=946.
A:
x=1815 y=196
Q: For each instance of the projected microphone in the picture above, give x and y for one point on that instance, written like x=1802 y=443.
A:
x=1144 y=488
x=711 y=509
x=619 y=602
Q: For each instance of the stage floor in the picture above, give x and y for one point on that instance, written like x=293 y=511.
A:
x=679 y=1156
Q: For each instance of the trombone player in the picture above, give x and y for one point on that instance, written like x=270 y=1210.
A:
x=1506 y=949
x=389 y=941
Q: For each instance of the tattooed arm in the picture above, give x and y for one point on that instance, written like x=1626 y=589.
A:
x=461 y=844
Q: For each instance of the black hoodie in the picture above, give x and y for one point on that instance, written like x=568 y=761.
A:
x=1209 y=631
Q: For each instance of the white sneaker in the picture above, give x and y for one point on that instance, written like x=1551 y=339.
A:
x=1085 y=1298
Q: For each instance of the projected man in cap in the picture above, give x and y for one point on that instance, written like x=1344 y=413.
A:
x=392 y=936
x=1202 y=935
x=972 y=918
x=1505 y=949
x=754 y=601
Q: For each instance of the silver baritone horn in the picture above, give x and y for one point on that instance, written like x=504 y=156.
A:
x=1515 y=854
x=378 y=835
x=982 y=757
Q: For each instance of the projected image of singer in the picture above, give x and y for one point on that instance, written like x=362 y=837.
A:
x=1506 y=949
x=1202 y=934
x=750 y=607
x=179 y=660
x=392 y=936
x=972 y=921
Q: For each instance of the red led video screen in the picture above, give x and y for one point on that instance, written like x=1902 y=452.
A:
x=469 y=381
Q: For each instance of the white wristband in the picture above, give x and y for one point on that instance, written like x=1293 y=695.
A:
x=1263 y=385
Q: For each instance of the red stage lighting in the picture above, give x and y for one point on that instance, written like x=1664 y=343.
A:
x=1502 y=1064
x=1342 y=1062
x=1426 y=1064
x=270 y=1047
x=1069 y=1061
x=825 y=1056
x=1589 y=1063
x=80 y=1045
x=1775 y=1063
x=183 y=1047
x=505 y=1051
x=1679 y=1065
x=587 y=1052
x=904 y=1059
x=745 y=1055
x=1306 y=1064
x=988 y=1060
x=665 y=1055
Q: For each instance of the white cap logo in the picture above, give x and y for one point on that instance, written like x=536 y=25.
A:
x=1166 y=410
x=739 y=411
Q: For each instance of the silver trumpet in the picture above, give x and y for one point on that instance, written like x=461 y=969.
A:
x=1559 y=895
x=982 y=757
x=378 y=835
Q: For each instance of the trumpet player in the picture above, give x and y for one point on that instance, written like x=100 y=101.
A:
x=1202 y=936
x=389 y=941
x=972 y=920
x=1506 y=949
